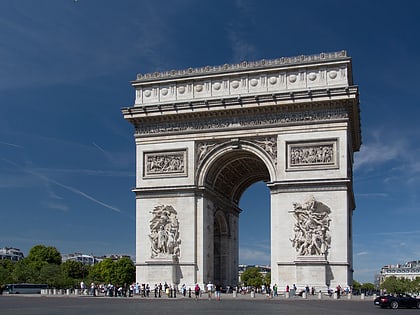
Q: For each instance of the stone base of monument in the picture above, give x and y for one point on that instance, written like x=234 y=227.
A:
x=312 y=271
x=160 y=270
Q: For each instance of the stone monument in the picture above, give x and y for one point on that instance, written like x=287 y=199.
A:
x=204 y=135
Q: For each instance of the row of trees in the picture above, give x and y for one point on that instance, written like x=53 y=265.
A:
x=401 y=285
x=43 y=265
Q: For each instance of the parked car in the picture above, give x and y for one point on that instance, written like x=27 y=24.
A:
x=399 y=300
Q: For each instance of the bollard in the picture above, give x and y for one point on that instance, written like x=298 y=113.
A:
x=68 y=291
x=252 y=294
x=335 y=295
x=287 y=295
x=234 y=293
x=304 y=295
x=362 y=296
x=349 y=296
x=320 y=295
x=76 y=291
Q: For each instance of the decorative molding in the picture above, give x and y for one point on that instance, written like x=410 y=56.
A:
x=258 y=120
x=164 y=232
x=311 y=231
x=165 y=163
x=282 y=74
x=249 y=65
x=321 y=154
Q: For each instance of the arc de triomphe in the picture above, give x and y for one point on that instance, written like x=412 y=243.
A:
x=204 y=135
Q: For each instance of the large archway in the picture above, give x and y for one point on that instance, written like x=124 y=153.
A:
x=203 y=136
x=254 y=226
x=227 y=171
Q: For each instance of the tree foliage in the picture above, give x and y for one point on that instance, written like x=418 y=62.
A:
x=401 y=285
x=252 y=277
x=46 y=254
x=43 y=265
x=6 y=271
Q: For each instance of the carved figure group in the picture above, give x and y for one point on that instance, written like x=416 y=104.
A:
x=165 y=163
x=319 y=154
x=164 y=232
x=311 y=230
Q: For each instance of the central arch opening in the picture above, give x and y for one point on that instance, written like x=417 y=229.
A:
x=254 y=226
x=239 y=175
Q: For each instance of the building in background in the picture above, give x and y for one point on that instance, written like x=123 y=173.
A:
x=90 y=259
x=409 y=270
x=11 y=253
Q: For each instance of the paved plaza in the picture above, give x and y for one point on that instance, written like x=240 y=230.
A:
x=66 y=305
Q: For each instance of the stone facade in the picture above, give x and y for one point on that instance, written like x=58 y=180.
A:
x=204 y=135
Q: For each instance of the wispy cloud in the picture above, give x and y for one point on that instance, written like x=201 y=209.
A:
x=69 y=188
x=377 y=153
x=398 y=233
x=373 y=195
x=12 y=145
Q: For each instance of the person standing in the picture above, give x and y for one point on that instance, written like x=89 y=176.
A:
x=218 y=291
x=209 y=289
x=197 y=291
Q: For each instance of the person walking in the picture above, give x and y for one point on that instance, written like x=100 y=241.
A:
x=209 y=289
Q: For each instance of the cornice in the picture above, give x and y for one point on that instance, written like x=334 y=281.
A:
x=242 y=102
x=305 y=73
x=242 y=66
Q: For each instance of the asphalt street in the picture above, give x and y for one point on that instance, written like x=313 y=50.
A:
x=66 y=305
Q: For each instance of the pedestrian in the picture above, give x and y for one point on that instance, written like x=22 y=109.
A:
x=218 y=289
x=209 y=289
x=197 y=291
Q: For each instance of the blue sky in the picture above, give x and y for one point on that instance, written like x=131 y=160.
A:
x=67 y=156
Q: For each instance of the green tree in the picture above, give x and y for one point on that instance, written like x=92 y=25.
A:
x=267 y=278
x=6 y=271
x=356 y=285
x=27 y=271
x=73 y=269
x=43 y=253
x=107 y=272
x=95 y=274
x=396 y=285
x=52 y=275
x=125 y=271
x=415 y=286
x=367 y=286
x=252 y=277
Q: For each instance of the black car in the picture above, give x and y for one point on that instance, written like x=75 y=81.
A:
x=399 y=300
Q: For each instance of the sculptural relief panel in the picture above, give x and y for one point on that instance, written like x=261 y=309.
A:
x=312 y=155
x=269 y=145
x=311 y=230
x=164 y=232
x=165 y=163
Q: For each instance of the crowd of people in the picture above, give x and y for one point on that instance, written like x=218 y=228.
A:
x=210 y=290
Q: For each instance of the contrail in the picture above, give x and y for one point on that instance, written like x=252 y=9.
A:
x=12 y=145
x=69 y=188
